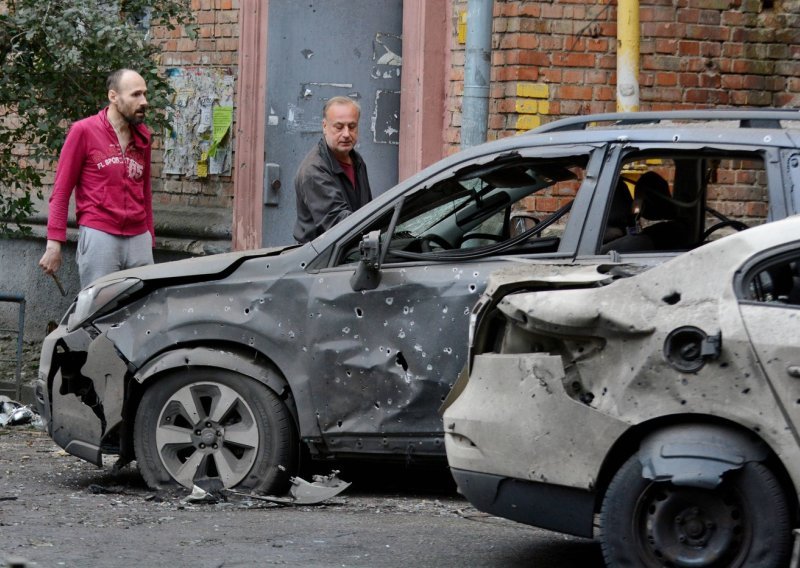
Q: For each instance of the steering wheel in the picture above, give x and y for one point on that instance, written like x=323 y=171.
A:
x=738 y=225
x=425 y=242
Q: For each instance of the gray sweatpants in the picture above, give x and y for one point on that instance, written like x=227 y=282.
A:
x=100 y=253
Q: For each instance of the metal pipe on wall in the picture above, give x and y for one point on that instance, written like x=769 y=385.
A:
x=477 y=70
x=628 y=55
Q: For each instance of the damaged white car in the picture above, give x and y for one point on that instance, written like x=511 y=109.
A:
x=656 y=410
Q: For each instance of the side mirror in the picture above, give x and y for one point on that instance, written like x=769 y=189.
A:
x=368 y=272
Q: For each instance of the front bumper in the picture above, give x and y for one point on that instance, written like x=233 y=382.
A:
x=80 y=391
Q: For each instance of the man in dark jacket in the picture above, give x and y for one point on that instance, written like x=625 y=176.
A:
x=331 y=182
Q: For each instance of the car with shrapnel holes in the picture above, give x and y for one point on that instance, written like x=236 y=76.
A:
x=656 y=410
x=229 y=367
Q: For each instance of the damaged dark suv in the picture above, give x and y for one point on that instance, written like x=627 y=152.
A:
x=224 y=367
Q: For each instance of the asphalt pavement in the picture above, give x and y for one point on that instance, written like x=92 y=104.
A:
x=59 y=511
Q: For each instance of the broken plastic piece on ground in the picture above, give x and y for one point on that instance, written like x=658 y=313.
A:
x=302 y=492
x=199 y=495
x=205 y=491
x=13 y=413
x=23 y=415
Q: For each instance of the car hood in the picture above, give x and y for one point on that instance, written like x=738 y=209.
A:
x=196 y=266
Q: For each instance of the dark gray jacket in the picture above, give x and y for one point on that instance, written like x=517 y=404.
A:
x=324 y=194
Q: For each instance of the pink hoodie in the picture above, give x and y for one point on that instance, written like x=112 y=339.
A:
x=112 y=189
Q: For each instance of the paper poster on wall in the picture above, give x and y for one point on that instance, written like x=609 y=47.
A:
x=199 y=143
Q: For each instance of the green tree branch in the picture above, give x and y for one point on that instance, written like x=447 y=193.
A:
x=55 y=56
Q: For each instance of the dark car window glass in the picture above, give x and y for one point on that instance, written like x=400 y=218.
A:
x=679 y=201
x=482 y=207
x=778 y=283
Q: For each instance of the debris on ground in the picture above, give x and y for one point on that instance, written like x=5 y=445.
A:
x=322 y=488
x=208 y=492
x=13 y=413
x=302 y=492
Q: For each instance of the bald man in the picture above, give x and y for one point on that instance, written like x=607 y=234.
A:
x=332 y=181
x=105 y=160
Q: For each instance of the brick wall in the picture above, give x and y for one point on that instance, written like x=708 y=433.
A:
x=554 y=59
x=216 y=45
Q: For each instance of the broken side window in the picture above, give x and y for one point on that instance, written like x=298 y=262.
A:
x=777 y=283
x=677 y=201
x=490 y=208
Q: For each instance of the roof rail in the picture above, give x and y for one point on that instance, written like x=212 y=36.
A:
x=748 y=118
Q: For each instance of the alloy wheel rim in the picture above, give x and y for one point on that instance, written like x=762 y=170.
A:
x=207 y=431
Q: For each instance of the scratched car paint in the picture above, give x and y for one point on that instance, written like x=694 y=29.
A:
x=664 y=403
x=223 y=367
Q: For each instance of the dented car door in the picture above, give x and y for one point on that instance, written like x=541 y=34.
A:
x=769 y=301
x=388 y=349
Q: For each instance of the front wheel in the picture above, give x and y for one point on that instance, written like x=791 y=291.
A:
x=742 y=522
x=207 y=424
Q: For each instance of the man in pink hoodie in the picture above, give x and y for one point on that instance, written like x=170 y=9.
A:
x=106 y=161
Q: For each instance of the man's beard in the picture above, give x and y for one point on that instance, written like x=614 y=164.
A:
x=132 y=119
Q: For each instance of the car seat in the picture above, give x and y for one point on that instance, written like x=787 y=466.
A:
x=653 y=202
x=620 y=215
x=622 y=233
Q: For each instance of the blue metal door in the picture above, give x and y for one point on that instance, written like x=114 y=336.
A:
x=318 y=49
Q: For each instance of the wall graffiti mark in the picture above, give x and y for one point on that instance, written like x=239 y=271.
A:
x=385 y=120
x=199 y=142
x=386 y=50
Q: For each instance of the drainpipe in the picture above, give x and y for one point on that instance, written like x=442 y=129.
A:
x=628 y=55
x=477 y=69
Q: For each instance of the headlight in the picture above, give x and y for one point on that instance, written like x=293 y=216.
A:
x=99 y=298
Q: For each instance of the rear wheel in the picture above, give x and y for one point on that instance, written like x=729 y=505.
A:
x=207 y=424
x=742 y=522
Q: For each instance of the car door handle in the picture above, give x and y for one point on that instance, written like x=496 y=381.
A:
x=794 y=371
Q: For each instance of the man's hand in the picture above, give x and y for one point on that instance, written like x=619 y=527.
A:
x=51 y=259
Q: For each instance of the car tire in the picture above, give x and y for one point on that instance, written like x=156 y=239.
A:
x=207 y=425
x=744 y=521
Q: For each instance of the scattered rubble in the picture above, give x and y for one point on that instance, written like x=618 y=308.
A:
x=321 y=488
x=58 y=510
x=301 y=492
x=13 y=413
